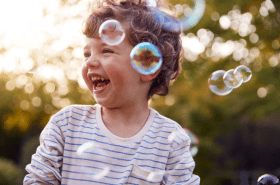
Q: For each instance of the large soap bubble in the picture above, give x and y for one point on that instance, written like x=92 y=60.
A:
x=146 y=58
x=111 y=32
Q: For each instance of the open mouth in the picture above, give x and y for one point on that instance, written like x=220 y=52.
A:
x=99 y=83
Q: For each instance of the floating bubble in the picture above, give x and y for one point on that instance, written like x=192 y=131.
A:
x=171 y=136
x=245 y=72
x=111 y=32
x=232 y=78
x=197 y=13
x=35 y=62
x=85 y=151
x=84 y=147
x=155 y=175
x=217 y=85
x=101 y=174
x=268 y=179
x=187 y=21
x=152 y=3
x=146 y=58
x=194 y=142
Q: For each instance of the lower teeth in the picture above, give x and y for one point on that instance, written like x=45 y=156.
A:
x=99 y=86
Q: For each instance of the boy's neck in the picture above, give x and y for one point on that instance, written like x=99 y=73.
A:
x=118 y=120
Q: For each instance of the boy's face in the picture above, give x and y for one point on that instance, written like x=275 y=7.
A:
x=109 y=75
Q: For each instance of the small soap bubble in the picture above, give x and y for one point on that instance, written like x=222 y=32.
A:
x=35 y=62
x=171 y=136
x=101 y=174
x=194 y=142
x=245 y=72
x=150 y=176
x=146 y=58
x=232 y=78
x=111 y=32
x=217 y=85
x=152 y=3
x=155 y=175
x=268 y=179
x=84 y=147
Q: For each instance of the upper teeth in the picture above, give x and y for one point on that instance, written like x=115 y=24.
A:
x=97 y=78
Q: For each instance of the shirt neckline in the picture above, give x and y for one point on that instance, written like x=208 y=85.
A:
x=120 y=140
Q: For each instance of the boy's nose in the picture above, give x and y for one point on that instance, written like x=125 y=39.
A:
x=92 y=62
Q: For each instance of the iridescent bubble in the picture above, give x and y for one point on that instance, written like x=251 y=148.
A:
x=111 y=32
x=146 y=58
x=268 y=179
x=232 y=78
x=245 y=72
x=186 y=22
x=194 y=142
x=197 y=13
x=217 y=85
x=35 y=62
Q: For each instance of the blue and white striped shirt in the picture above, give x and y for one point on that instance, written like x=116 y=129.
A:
x=77 y=148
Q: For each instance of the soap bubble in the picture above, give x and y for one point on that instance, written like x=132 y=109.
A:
x=86 y=150
x=171 y=136
x=232 y=78
x=186 y=21
x=194 y=142
x=84 y=147
x=111 y=32
x=197 y=13
x=152 y=3
x=146 y=58
x=155 y=175
x=101 y=174
x=268 y=179
x=245 y=72
x=35 y=62
x=217 y=85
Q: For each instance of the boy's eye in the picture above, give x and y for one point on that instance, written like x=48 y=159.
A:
x=86 y=55
x=107 y=51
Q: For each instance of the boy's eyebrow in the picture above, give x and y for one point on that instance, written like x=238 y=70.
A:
x=102 y=44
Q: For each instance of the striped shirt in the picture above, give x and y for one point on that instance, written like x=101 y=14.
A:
x=77 y=148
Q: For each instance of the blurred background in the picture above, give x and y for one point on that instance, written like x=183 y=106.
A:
x=238 y=133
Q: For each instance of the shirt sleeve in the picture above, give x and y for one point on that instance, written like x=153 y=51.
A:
x=45 y=166
x=180 y=164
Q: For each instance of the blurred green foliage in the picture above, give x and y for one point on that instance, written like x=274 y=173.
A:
x=10 y=173
x=237 y=132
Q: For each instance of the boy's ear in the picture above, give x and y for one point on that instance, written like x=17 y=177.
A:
x=150 y=77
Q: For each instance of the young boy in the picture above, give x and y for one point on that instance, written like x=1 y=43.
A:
x=120 y=140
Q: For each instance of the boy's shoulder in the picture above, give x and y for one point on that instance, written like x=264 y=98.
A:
x=75 y=108
x=171 y=126
x=165 y=120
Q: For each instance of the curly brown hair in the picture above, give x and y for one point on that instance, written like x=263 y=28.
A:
x=144 y=25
